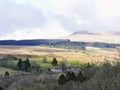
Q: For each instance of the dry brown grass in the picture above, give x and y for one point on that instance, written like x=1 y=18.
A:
x=92 y=56
x=104 y=37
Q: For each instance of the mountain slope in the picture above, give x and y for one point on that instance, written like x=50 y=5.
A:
x=87 y=36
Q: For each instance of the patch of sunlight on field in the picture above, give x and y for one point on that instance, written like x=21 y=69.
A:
x=89 y=55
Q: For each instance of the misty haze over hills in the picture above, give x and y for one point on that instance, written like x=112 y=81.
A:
x=107 y=39
x=95 y=36
x=97 y=32
x=81 y=36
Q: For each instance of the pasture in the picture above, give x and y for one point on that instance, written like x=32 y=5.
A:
x=36 y=54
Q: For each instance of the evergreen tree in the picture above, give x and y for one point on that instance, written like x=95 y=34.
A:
x=80 y=77
x=62 y=80
x=1 y=88
x=20 y=64
x=68 y=76
x=73 y=77
x=54 y=62
x=88 y=65
x=27 y=64
x=6 y=74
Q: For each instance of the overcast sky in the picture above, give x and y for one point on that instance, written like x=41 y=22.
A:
x=38 y=19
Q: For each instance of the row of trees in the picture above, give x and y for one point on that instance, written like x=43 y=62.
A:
x=24 y=65
x=70 y=76
x=83 y=75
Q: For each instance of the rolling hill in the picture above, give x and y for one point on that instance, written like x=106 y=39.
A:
x=89 y=36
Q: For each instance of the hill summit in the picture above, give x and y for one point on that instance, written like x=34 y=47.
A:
x=95 y=36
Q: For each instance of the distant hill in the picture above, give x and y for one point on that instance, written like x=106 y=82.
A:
x=81 y=38
x=89 y=36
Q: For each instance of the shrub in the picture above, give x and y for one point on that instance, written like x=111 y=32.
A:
x=44 y=60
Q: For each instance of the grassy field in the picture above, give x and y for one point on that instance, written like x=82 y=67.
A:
x=3 y=70
x=71 y=56
x=43 y=80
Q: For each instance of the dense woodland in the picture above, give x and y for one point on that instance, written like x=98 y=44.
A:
x=57 y=42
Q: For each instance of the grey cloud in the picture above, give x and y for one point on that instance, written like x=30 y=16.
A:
x=87 y=11
x=14 y=16
x=68 y=23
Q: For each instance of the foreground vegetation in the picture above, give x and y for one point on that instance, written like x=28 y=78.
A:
x=104 y=77
x=34 y=72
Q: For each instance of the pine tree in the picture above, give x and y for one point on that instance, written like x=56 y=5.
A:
x=27 y=64
x=20 y=64
x=62 y=80
x=88 y=65
x=68 y=76
x=80 y=77
x=73 y=77
x=6 y=74
x=54 y=62
x=1 y=88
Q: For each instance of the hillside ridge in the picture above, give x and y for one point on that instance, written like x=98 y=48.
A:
x=91 y=36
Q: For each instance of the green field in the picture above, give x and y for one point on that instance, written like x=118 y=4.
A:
x=73 y=57
x=3 y=70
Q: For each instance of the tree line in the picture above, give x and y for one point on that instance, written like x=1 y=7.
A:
x=26 y=65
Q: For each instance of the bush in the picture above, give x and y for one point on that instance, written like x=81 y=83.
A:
x=63 y=64
x=44 y=60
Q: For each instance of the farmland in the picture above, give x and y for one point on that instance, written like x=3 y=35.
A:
x=60 y=53
x=42 y=56
x=46 y=51
x=73 y=57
